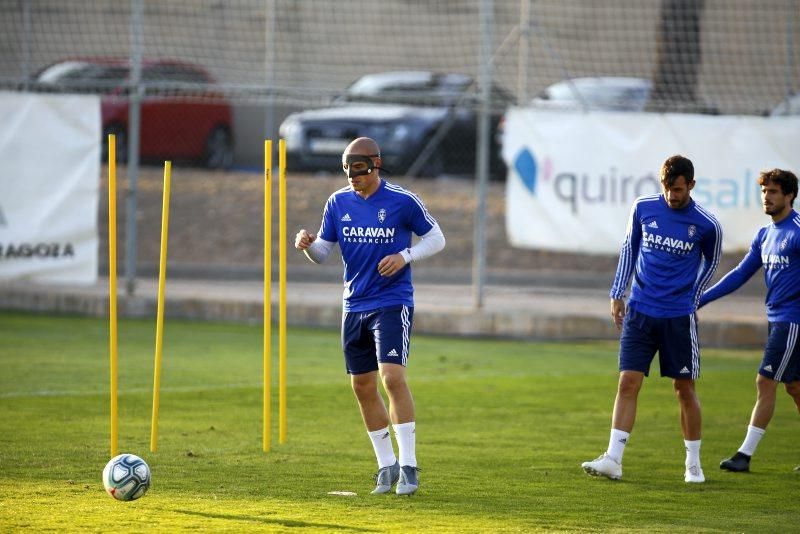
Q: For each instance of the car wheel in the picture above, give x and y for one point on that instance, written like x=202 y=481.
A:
x=219 y=149
x=122 y=142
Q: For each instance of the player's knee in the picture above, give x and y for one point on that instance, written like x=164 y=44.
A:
x=684 y=390
x=363 y=388
x=393 y=381
x=765 y=387
x=629 y=386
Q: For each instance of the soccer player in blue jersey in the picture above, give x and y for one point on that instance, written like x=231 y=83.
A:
x=671 y=249
x=776 y=247
x=373 y=221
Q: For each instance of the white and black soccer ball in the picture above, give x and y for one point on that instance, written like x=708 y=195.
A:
x=126 y=477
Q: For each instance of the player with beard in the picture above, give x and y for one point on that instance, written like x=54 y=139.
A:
x=672 y=247
x=776 y=248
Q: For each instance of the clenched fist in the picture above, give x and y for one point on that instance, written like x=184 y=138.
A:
x=303 y=239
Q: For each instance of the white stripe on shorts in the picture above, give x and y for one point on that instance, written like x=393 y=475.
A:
x=791 y=339
x=406 y=329
x=695 y=347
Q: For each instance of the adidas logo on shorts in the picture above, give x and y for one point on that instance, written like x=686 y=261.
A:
x=684 y=371
x=392 y=353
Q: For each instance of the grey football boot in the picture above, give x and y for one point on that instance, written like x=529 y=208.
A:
x=409 y=480
x=385 y=478
x=738 y=463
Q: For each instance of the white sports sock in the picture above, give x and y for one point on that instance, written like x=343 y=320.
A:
x=382 y=443
x=616 y=444
x=754 y=435
x=405 y=433
x=692 y=452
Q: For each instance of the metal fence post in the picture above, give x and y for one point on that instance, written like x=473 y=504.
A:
x=134 y=128
x=269 y=67
x=793 y=9
x=482 y=160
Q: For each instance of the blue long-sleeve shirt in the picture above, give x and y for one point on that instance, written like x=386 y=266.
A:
x=367 y=231
x=776 y=247
x=671 y=255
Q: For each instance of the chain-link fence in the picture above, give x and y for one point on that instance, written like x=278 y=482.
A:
x=240 y=67
x=209 y=80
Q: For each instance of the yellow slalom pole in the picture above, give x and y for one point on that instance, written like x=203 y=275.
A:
x=162 y=278
x=282 y=284
x=267 y=435
x=112 y=286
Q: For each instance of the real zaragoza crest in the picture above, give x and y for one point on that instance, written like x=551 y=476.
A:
x=381 y=215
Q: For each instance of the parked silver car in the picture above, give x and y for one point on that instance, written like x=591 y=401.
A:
x=616 y=93
x=609 y=93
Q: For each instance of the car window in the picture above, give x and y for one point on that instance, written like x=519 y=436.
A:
x=375 y=83
x=419 y=88
x=173 y=73
x=401 y=87
x=75 y=74
x=610 y=93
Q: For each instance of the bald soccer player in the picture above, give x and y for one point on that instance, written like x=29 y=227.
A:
x=373 y=220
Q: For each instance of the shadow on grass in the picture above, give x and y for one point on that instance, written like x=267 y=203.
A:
x=282 y=522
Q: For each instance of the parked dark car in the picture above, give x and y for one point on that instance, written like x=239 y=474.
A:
x=403 y=112
x=182 y=117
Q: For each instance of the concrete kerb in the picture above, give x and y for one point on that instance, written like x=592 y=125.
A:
x=508 y=312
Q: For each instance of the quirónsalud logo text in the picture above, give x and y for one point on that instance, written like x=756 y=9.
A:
x=614 y=186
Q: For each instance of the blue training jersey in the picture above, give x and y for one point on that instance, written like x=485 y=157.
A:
x=368 y=230
x=776 y=247
x=671 y=254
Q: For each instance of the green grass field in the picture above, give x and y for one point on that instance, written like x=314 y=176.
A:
x=502 y=429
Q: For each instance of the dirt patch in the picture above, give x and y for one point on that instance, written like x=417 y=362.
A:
x=216 y=224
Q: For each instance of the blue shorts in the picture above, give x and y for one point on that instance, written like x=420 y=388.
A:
x=782 y=354
x=374 y=336
x=674 y=338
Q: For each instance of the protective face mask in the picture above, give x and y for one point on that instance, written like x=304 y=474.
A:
x=357 y=165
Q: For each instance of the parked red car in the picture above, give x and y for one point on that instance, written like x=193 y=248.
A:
x=182 y=117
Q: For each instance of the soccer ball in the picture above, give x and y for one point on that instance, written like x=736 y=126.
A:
x=126 y=477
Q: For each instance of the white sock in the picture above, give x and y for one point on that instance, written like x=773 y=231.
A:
x=616 y=444
x=405 y=433
x=692 y=452
x=382 y=443
x=754 y=435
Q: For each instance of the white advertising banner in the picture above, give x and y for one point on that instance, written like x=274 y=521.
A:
x=49 y=182
x=573 y=176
